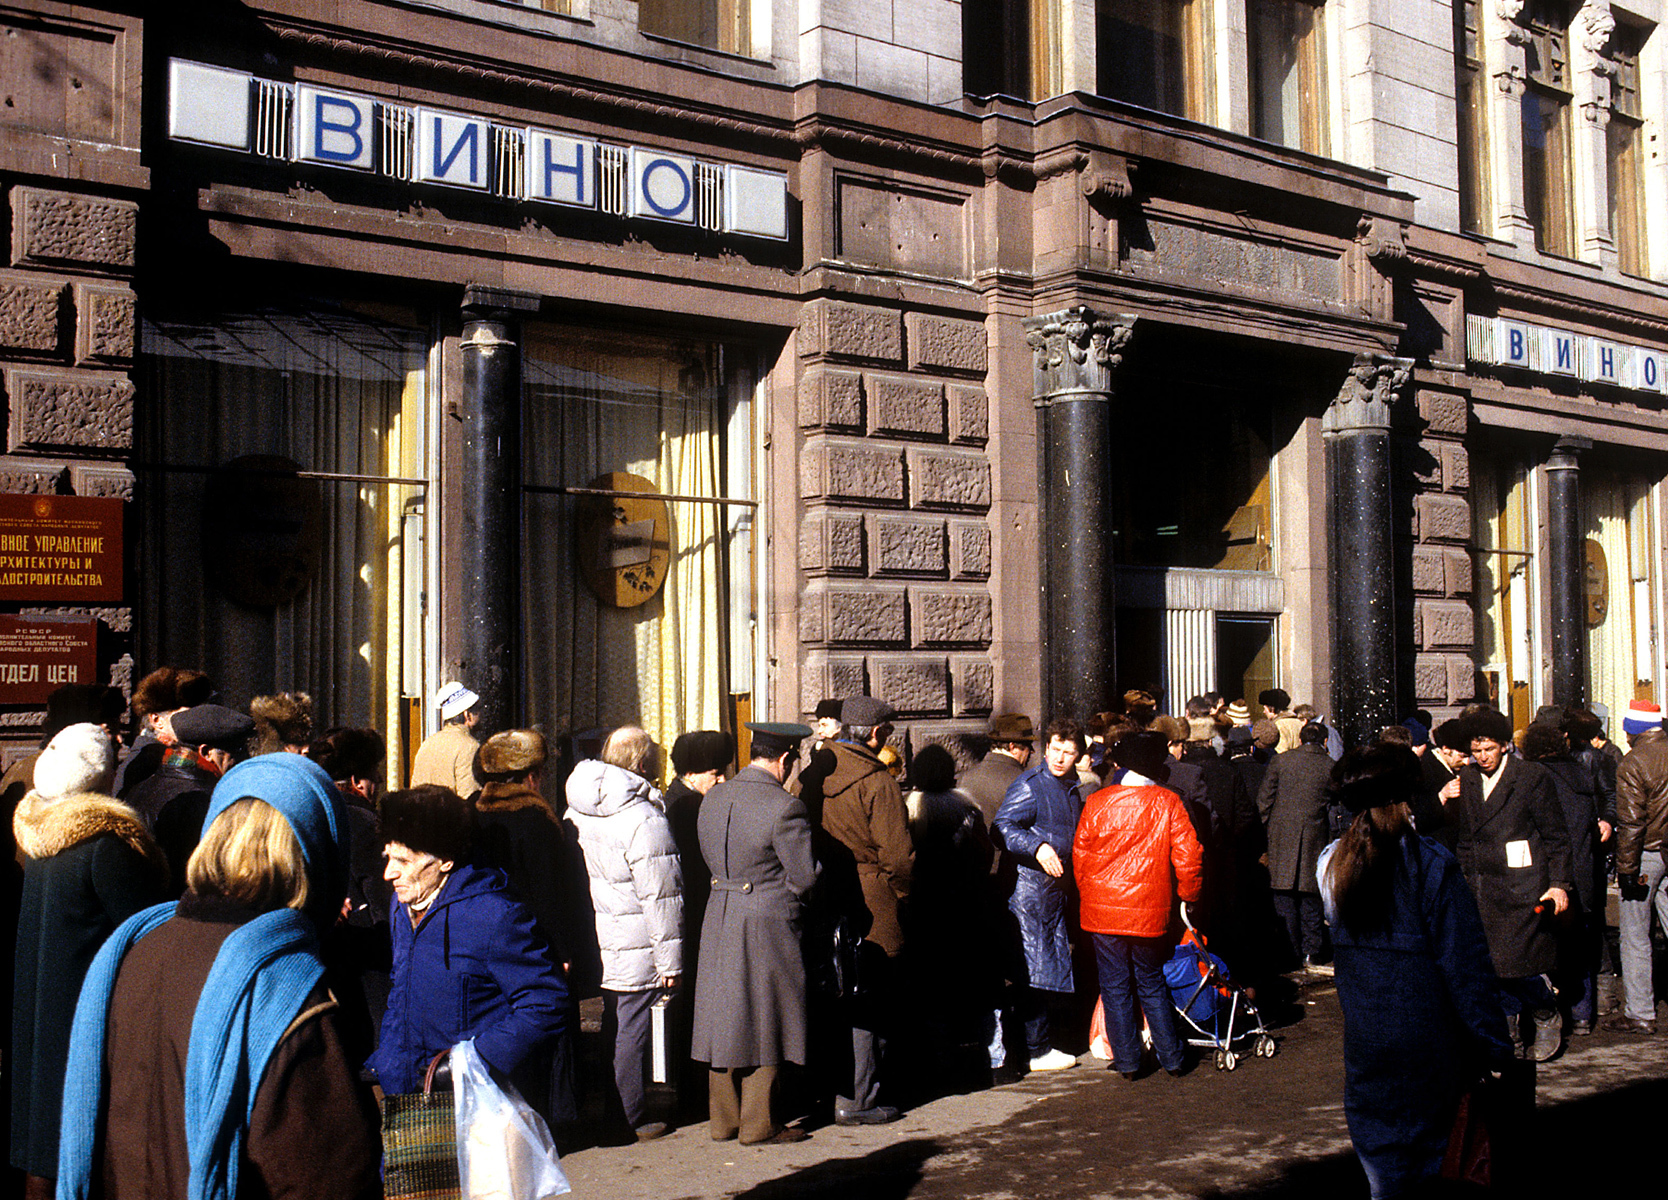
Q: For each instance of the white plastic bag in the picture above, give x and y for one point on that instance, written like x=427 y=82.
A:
x=504 y=1147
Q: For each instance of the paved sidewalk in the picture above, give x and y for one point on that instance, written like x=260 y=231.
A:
x=1272 y=1128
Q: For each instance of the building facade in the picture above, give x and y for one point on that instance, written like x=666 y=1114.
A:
x=688 y=363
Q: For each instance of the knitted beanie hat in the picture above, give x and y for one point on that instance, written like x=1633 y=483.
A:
x=1640 y=716
x=1238 y=713
x=79 y=758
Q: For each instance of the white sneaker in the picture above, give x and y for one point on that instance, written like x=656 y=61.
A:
x=1054 y=1060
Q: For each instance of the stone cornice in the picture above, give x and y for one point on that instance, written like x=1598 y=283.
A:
x=1560 y=303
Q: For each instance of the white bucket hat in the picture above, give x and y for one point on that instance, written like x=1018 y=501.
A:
x=453 y=698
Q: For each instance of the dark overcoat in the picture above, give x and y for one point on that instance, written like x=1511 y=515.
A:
x=750 y=995
x=1040 y=809
x=1523 y=808
x=1292 y=801
x=1577 y=785
x=1421 y=1017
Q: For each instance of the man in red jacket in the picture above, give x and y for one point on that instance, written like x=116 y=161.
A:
x=1133 y=839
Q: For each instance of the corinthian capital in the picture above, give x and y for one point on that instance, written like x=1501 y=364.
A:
x=1363 y=403
x=1076 y=350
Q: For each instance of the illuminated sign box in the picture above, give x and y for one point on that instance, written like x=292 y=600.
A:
x=1503 y=342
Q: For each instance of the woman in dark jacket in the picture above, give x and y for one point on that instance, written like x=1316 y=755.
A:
x=206 y=1058
x=1421 y=1014
x=469 y=959
x=88 y=865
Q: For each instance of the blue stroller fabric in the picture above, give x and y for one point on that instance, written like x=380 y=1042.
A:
x=1181 y=974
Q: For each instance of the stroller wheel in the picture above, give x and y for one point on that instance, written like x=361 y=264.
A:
x=1265 y=1046
x=1230 y=1060
x=1221 y=1059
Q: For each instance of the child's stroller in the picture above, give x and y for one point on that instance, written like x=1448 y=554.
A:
x=1216 y=1013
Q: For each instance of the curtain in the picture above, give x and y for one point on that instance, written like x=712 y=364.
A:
x=597 y=403
x=1616 y=515
x=332 y=392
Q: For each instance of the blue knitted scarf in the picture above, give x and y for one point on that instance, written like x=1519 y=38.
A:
x=259 y=982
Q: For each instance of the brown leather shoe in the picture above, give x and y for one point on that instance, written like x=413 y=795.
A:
x=785 y=1136
x=1622 y=1023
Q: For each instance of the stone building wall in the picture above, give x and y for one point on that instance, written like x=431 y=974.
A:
x=68 y=335
x=894 y=541
x=1436 y=471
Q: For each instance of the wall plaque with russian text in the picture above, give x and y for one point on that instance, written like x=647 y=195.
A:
x=60 y=549
x=39 y=655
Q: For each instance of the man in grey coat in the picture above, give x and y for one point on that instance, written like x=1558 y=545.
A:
x=750 y=995
x=1292 y=801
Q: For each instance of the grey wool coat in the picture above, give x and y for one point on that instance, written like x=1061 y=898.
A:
x=1292 y=801
x=750 y=995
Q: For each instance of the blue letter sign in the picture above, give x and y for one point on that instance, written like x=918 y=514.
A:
x=333 y=128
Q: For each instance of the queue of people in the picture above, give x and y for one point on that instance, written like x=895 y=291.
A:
x=804 y=937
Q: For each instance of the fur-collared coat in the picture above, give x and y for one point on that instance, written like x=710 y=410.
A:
x=88 y=865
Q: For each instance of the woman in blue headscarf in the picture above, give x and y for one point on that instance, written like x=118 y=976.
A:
x=206 y=1060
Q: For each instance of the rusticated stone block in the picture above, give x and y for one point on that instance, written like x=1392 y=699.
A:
x=913 y=686
x=829 y=677
x=902 y=404
x=853 y=615
x=1443 y=518
x=29 y=308
x=972 y=685
x=91 y=479
x=831 y=398
x=1461 y=575
x=946 y=343
x=51 y=410
x=117 y=620
x=1430 y=678
x=831 y=542
x=1456 y=467
x=965 y=742
x=106 y=323
x=907 y=546
x=831 y=469
x=969 y=414
x=948 y=479
x=846 y=330
x=943 y=618
x=59 y=227
x=1429 y=571
x=121 y=675
x=30 y=478
x=1425 y=457
x=1444 y=412
x=969 y=550
x=1462 y=679
x=1446 y=623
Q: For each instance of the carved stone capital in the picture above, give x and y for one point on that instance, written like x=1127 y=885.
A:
x=1076 y=351
x=1363 y=403
x=1384 y=240
x=1597 y=112
x=1510 y=81
x=1105 y=178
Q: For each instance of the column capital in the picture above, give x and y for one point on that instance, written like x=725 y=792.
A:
x=1075 y=351
x=1566 y=453
x=486 y=302
x=1363 y=403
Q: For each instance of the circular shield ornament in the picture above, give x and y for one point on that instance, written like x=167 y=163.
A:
x=625 y=541
x=262 y=530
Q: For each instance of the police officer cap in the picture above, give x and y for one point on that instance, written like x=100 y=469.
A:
x=777 y=737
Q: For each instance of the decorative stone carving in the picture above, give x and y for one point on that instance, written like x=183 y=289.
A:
x=81 y=411
x=1105 y=178
x=1364 y=402
x=106 y=324
x=1510 y=81
x=1384 y=240
x=841 y=470
x=905 y=405
x=1592 y=28
x=1076 y=350
x=948 y=479
x=946 y=343
x=96 y=479
x=62 y=227
x=29 y=306
x=1510 y=13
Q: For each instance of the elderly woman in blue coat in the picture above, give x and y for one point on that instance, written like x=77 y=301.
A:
x=469 y=959
x=1037 y=822
x=1422 y=1017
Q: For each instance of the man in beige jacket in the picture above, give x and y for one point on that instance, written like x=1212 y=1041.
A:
x=447 y=757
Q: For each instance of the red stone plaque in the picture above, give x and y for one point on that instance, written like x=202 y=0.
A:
x=39 y=655
x=60 y=549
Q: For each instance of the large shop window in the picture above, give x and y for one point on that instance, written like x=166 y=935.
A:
x=635 y=614
x=261 y=560
x=1622 y=541
x=1504 y=497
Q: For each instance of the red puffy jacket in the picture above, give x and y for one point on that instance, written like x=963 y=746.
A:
x=1128 y=841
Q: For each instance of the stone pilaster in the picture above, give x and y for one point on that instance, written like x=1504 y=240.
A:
x=1356 y=429
x=1076 y=354
x=1591 y=73
x=1505 y=37
x=1435 y=474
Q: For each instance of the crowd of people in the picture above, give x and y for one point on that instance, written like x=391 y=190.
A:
x=260 y=941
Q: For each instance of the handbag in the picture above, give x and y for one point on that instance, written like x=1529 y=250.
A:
x=420 y=1142
x=1485 y=1141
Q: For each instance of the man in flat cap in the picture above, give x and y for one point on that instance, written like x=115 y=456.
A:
x=750 y=995
x=210 y=739
x=447 y=756
x=863 y=809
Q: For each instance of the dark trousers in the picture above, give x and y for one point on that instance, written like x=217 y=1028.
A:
x=1132 y=984
x=1305 y=924
x=739 y=1102
x=870 y=1017
x=625 y=1022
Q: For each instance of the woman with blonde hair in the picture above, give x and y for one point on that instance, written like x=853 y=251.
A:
x=206 y=1058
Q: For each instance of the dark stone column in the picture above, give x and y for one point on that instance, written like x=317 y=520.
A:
x=1356 y=429
x=1566 y=563
x=488 y=542
x=1076 y=352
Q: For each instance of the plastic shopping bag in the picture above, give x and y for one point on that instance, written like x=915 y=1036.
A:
x=1099 y=1044
x=504 y=1147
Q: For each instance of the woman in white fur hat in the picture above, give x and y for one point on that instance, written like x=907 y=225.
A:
x=89 y=864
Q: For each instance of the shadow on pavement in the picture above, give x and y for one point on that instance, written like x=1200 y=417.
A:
x=890 y=1173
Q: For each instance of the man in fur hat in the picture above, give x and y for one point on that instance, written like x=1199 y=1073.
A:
x=211 y=739
x=447 y=757
x=282 y=722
